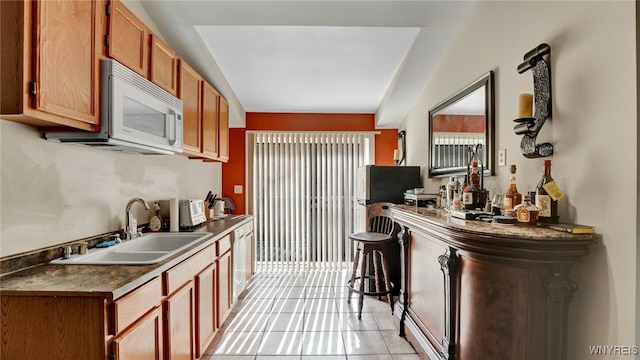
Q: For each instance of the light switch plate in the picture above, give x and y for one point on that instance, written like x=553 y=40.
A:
x=237 y=189
x=502 y=157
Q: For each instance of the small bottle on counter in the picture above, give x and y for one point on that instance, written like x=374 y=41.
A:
x=527 y=213
x=155 y=223
x=512 y=197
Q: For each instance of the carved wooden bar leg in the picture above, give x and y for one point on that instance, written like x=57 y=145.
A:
x=448 y=265
x=403 y=239
x=560 y=289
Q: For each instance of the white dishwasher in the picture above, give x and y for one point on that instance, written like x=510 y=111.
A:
x=239 y=258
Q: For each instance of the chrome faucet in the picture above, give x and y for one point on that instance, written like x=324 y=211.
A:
x=131 y=227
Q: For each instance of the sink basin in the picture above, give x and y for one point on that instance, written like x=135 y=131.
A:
x=147 y=249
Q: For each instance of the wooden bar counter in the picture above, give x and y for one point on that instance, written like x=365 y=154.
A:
x=480 y=291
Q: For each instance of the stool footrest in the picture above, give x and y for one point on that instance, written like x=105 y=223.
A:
x=368 y=293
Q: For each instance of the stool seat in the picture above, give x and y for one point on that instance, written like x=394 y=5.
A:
x=370 y=244
x=369 y=237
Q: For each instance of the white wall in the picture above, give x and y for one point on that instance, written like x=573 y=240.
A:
x=594 y=130
x=52 y=193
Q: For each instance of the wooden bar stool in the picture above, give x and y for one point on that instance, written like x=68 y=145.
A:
x=372 y=243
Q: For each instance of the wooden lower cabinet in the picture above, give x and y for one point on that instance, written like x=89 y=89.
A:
x=225 y=281
x=144 y=340
x=205 y=308
x=52 y=327
x=180 y=337
x=173 y=316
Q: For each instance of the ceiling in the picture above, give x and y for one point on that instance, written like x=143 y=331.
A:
x=321 y=56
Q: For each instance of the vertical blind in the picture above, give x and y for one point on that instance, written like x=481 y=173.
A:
x=302 y=194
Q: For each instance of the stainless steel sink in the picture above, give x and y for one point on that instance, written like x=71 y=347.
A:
x=147 y=249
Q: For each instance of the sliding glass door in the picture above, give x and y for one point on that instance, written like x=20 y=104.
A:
x=302 y=193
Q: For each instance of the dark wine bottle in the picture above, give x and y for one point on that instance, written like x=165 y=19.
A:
x=547 y=195
x=471 y=193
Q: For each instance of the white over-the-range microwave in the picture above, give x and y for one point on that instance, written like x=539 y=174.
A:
x=137 y=116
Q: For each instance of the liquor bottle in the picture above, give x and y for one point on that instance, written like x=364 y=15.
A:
x=512 y=197
x=547 y=194
x=526 y=212
x=471 y=193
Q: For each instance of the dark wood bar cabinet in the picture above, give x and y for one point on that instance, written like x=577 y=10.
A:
x=479 y=291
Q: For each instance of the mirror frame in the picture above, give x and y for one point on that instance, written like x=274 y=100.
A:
x=486 y=80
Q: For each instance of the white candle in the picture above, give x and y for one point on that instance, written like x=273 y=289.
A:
x=396 y=155
x=525 y=106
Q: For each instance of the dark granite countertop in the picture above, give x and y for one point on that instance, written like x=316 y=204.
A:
x=440 y=218
x=109 y=281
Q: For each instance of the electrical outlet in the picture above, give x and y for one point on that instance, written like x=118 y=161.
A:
x=502 y=157
x=237 y=189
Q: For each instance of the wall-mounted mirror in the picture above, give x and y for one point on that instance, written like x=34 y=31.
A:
x=462 y=120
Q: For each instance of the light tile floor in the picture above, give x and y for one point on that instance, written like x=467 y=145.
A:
x=305 y=315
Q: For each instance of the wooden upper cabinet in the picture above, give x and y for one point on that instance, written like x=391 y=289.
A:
x=51 y=62
x=128 y=39
x=210 y=115
x=164 y=66
x=190 y=93
x=223 y=131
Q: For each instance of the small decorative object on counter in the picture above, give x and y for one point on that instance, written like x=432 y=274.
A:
x=452 y=186
x=456 y=204
x=527 y=213
x=496 y=204
x=155 y=223
x=512 y=197
x=570 y=228
x=442 y=198
x=547 y=195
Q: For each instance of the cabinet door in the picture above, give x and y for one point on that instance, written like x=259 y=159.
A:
x=210 y=101
x=249 y=255
x=143 y=340
x=190 y=94
x=205 y=308
x=179 y=328
x=223 y=131
x=66 y=55
x=224 y=287
x=164 y=65
x=128 y=39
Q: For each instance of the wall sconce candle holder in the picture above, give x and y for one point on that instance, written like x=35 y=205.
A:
x=402 y=147
x=529 y=127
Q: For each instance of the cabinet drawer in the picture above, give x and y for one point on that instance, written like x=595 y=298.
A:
x=180 y=274
x=135 y=304
x=224 y=244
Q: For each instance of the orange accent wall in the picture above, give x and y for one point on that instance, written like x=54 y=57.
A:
x=458 y=123
x=233 y=172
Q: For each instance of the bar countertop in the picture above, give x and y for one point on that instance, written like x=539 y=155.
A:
x=110 y=281
x=436 y=217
